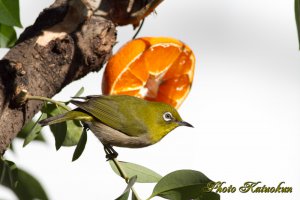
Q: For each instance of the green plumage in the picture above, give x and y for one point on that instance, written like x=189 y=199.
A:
x=132 y=119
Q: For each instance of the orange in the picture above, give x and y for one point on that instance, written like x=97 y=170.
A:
x=153 y=68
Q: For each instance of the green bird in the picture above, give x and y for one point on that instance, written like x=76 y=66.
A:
x=123 y=121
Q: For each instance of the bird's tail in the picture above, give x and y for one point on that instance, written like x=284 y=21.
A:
x=71 y=115
x=54 y=120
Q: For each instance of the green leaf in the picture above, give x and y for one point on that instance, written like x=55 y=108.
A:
x=24 y=185
x=28 y=187
x=144 y=175
x=52 y=109
x=34 y=131
x=59 y=131
x=133 y=197
x=74 y=131
x=66 y=133
x=125 y=194
x=9 y=13
x=181 y=185
x=8 y=36
x=297 y=16
x=13 y=173
x=27 y=128
x=2 y=170
x=80 y=146
x=9 y=173
x=79 y=93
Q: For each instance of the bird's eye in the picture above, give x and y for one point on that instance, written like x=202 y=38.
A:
x=167 y=116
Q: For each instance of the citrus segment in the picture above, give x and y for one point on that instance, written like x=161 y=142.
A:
x=182 y=65
x=139 y=70
x=127 y=54
x=157 y=69
x=157 y=60
x=131 y=80
x=176 y=88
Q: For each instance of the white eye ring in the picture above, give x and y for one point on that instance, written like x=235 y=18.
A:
x=167 y=116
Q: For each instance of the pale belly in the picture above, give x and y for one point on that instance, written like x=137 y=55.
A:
x=110 y=136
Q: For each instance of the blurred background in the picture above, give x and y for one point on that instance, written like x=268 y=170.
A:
x=244 y=105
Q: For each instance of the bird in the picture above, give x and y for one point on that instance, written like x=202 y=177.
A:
x=122 y=120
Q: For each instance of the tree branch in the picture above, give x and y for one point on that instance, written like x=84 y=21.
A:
x=44 y=68
x=67 y=41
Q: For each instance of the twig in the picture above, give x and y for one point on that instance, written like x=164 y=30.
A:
x=139 y=29
x=142 y=13
x=29 y=97
x=124 y=175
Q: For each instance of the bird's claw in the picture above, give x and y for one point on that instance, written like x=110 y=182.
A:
x=110 y=153
x=111 y=156
x=86 y=127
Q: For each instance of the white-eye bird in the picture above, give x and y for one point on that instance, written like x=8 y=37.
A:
x=123 y=121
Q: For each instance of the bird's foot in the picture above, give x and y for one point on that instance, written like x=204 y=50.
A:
x=86 y=127
x=111 y=156
x=110 y=152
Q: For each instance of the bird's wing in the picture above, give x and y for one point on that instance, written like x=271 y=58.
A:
x=102 y=109
x=118 y=112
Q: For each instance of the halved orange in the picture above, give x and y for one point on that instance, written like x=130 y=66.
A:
x=153 y=68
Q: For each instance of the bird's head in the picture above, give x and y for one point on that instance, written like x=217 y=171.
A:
x=166 y=118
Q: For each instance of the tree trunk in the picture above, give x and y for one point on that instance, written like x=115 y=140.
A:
x=68 y=40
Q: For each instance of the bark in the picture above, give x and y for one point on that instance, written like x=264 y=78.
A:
x=68 y=40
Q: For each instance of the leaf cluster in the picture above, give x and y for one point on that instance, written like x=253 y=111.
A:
x=9 y=18
x=69 y=133
x=22 y=183
x=178 y=185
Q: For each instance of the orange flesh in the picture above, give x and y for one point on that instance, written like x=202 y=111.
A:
x=154 y=71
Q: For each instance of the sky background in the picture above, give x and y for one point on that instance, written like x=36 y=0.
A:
x=244 y=105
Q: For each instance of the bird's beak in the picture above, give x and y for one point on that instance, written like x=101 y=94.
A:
x=183 y=123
